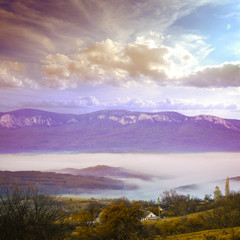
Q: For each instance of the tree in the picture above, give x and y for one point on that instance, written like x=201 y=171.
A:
x=95 y=208
x=119 y=221
x=227 y=188
x=207 y=197
x=28 y=212
x=86 y=229
x=217 y=194
x=175 y=204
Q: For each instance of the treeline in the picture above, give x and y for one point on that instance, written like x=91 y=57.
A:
x=29 y=213
x=210 y=214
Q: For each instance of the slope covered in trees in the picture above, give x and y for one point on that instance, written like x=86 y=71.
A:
x=27 y=212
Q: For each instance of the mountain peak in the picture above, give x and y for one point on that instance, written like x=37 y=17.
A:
x=12 y=121
x=217 y=121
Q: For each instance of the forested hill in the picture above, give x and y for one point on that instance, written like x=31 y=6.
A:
x=63 y=183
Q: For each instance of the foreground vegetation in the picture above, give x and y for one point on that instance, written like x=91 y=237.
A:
x=27 y=212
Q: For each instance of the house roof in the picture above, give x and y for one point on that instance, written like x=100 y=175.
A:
x=148 y=214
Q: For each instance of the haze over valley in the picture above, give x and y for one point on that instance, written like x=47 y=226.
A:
x=164 y=171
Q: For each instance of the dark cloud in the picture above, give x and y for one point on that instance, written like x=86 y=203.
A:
x=222 y=76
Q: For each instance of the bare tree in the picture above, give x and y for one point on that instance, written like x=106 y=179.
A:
x=29 y=212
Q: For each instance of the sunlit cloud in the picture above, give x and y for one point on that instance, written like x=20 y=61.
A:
x=12 y=75
x=118 y=63
x=143 y=61
x=196 y=44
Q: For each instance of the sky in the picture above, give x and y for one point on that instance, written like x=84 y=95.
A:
x=79 y=56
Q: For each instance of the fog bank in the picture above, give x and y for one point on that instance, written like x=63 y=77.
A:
x=174 y=170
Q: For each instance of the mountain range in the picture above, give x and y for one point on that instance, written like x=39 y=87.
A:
x=31 y=130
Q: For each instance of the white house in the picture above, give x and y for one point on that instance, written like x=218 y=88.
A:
x=149 y=216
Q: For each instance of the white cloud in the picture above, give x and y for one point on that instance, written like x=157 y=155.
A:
x=133 y=103
x=146 y=60
x=117 y=63
x=80 y=102
x=191 y=106
x=11 y=75
x=196 y=44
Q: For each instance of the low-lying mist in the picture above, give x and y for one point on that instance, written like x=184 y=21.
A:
x=169 y=170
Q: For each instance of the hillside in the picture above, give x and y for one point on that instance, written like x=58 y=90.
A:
x=30 y=130
x=226 y=234
x=106 y=171
x=63 y=183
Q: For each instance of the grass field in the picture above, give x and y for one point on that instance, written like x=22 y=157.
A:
x=216 y=234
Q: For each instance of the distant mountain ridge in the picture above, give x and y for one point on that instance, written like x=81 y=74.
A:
x=31 y=130
x=33 y=117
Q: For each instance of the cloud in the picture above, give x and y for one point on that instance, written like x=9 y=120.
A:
x=170 y=104
x=146 y=60
x=221 y=76
x=81 y=103
x=33 y=29
x=11 y=75
x=84 y=104
x=26 y=31
x=132 y=103
x=195 y=44
x=117 y=63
